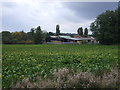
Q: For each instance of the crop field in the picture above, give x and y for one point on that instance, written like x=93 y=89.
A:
x=30 y=61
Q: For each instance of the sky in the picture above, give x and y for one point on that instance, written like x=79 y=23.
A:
x=18 y=16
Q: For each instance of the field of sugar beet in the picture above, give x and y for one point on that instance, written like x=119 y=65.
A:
x=59 y=66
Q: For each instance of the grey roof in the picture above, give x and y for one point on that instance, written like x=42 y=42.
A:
x=78 y=38
x=70 y=38
x=61 y=36
x=53 y=36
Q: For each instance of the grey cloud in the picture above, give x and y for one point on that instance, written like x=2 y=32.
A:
x=63 y=14
x=9 y=4
x=89 y=10
x=70 y=15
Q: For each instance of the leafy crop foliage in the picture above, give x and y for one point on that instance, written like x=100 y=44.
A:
x=29 y=61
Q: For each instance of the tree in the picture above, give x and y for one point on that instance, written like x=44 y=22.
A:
x=51 y=33
x=19 y=37
x=80 y=31
x=23 y=36
x=118 y=22
x=0 y=37
x=105 y=27
x=57 y=30
x=30 y=35
x=38 y=35
x=32 y=31
x=86 y=32
x=6 y=37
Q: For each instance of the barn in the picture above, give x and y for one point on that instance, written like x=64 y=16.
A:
x=70 y=40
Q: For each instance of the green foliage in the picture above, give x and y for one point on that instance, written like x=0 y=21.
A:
x=118 y=24
x=57 y=29
x=105 y=27
x=86 y=32
x=80 y=31
x=29 y=61
x=0 y=37
x=6 y=37
x=51 y=33
x=14 y=38
x=38 y=35
x=31 y=34
x=19 y=36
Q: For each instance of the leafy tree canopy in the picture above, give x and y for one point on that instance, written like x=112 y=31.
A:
x=105 y=27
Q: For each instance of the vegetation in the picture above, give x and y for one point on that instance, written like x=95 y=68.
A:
x=106 y=27
x=86 y=32
x=57 y=29
x=35 y=36
x=7 y=37
x=67 y=78
x=28 y=64
x=38 y=36
x=80 y=31
x=62 y=66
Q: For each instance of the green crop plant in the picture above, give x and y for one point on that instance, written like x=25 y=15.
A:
x=30 y=61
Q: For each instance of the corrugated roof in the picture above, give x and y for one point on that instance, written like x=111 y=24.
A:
x=53 y=36
x=64 y=36
x=78 y=38
x=70 y=38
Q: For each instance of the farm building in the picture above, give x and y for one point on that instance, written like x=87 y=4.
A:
x=70 y=40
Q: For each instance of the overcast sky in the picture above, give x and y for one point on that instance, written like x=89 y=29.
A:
x=17 y=16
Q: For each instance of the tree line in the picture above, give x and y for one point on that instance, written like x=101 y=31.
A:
x=35 y=36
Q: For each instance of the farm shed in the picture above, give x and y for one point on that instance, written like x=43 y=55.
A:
x=68 y=39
